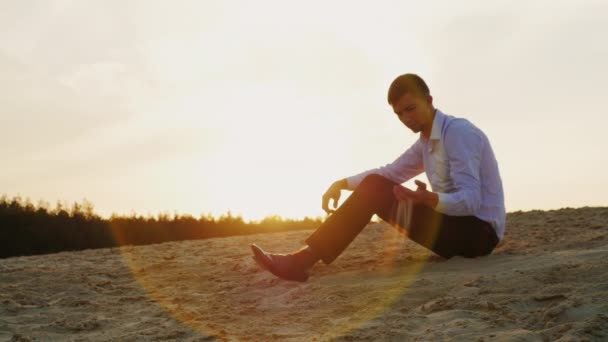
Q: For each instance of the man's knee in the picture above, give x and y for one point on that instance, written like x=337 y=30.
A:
x=376 y=189
x=374 y=182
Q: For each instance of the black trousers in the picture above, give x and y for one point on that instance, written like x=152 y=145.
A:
x=448 y=236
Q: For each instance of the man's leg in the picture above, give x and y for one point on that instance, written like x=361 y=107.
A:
x=445 y=235
x=374 y=195
x=448 y=236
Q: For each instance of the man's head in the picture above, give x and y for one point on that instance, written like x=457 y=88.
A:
x=412 y=102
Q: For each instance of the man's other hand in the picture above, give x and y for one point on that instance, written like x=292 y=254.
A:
x=421 y=195
x=333 y=193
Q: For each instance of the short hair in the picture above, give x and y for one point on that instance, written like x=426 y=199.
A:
x=407 y=83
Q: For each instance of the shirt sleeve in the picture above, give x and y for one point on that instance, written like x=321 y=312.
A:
x=406 y=166
x=464 y=146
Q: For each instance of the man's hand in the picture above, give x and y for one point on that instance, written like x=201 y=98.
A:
x=333 y=193
x=421 y=195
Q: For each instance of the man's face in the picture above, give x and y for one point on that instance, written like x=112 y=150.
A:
x=416 y=112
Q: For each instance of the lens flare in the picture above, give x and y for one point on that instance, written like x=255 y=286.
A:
x=213 y=287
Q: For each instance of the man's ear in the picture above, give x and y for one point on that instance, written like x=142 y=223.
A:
x=429 y=99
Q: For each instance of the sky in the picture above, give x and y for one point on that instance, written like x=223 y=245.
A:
x=256 y=107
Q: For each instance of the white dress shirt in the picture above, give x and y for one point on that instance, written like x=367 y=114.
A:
x=460 y=165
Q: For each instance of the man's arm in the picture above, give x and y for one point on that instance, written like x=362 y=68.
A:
x=406 y=166
x=464 y=146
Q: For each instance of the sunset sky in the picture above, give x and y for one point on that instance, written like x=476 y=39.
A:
x=258 y=106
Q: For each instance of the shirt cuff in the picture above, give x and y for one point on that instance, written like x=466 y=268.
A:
x=353 y=181
x=349 y=183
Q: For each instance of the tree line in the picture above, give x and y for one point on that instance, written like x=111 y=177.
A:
x=28 y=229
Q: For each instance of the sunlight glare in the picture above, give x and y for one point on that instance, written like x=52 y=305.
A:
x=269 y=160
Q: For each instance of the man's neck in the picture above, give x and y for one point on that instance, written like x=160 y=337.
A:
x=426 y=132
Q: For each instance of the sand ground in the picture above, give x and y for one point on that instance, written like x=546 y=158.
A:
x=547 y=281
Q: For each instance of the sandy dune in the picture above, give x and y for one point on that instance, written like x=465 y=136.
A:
x=547 y=281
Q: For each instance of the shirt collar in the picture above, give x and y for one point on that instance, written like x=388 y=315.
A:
x=437 y=125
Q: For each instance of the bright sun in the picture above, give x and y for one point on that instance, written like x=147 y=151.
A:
x=270 y=154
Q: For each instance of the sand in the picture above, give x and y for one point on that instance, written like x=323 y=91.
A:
x=547 y=281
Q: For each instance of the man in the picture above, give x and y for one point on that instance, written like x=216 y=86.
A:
x=464 y=214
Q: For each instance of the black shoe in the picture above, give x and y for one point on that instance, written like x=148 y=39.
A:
x=281 y=265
